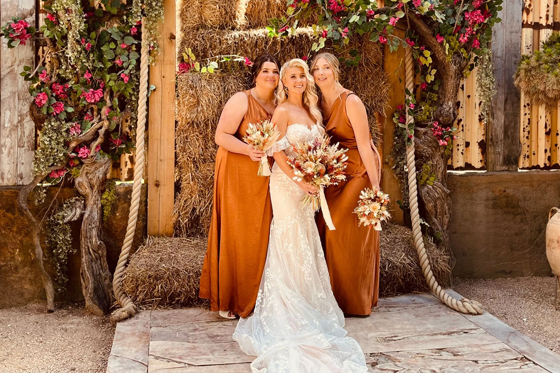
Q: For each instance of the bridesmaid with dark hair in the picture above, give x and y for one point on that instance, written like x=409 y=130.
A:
x=352 y=252
x=242 y=211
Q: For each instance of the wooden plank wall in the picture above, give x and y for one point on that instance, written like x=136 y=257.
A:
x=17 y=130
x=469 y=147
x=161 y=131
x=539 y=124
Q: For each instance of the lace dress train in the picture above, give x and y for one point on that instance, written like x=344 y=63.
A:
x=297 y=326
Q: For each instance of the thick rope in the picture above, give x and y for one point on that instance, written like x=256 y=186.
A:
x=464 y=305
x=128 y=308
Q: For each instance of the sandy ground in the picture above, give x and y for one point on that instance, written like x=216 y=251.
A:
x=68 y=340
x=525 y=304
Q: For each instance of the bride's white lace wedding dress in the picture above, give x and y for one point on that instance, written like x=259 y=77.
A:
x=297 y=326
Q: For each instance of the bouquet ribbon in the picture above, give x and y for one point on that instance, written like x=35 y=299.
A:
x=264 y=167
x=325 y=209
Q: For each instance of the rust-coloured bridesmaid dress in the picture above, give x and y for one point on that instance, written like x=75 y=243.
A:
x=352 y=252
x=238 y=237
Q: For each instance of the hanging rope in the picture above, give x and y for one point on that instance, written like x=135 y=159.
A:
x=128 y=308
x=464 y=305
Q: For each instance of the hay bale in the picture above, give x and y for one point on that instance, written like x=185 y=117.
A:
x=400 y=268
x=200 y=100
x=211 y=14
x=249 y=43
x=259 y=12
x=165 y=272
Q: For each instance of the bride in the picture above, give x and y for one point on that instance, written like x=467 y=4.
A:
x=297 y=326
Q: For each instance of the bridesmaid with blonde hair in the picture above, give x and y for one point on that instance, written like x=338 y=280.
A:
x=242 y=211
x=352 y=252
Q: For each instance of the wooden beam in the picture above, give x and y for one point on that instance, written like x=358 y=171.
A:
x=393 y=64
x=503 y=131
x=161 y=131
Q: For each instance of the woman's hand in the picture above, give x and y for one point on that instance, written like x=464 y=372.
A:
x=255 y=154
x=308 y=188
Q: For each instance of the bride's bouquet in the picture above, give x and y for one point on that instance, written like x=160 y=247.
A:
x=262 y=136
x=372 y=208
x=320 y=164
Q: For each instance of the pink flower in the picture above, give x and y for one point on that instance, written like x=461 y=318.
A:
x=463 y=38
x=107 y=111
x=305 y=58
x=124 y=46
x=370 y=13
x=475 y=17
x=75 y=129
x=101 y=85
x=87 y=75
x=410 y=42
x=124 y=77
x=138 y=22
x=345 y=32
x=400 y=5
x=58 y=90
x=476 y=44
x=117 y=142
x=83 y=152
x=382 y=40
x=58 y=107
x=402 y=119
x=424 y=86
x=411 y=105
x=410 y=136
x=97 y=148
x=52 y=18
x=118 y=61
x=93 y=96
x=439 y=38
x=43 y=76
x=73 y=162
x=248 y=62
x=282 y=29
x=18 y=27
x=133 y=30
x=41 y=99
x=417 y=3
x=88 y=46
x=393 y=21
x=443 y=142
x=400 y=107
x=335 y=7
x=58 y=173
x=324 y=34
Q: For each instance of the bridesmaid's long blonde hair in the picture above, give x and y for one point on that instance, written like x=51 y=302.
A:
x=310 y=97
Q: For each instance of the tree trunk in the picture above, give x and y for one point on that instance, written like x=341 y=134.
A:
x=94 y=272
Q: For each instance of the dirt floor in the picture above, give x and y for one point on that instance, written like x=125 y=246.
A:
x=526 y=304
x=70 y=340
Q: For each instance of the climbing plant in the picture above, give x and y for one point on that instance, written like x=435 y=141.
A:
x=447 y=38
x=85 y=95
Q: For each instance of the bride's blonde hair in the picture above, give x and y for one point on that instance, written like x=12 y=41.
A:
x=310 y=97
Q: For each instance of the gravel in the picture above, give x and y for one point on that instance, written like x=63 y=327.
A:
x=68 y=340
x=524 y=303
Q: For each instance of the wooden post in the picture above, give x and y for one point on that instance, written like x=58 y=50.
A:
x=161 y=131
x=503 y=129
x=393 y=64
x=17 y=130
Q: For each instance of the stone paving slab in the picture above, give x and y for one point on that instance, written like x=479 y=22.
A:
x=411 y=333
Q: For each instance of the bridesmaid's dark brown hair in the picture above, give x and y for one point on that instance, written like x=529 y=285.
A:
x=258 y=64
